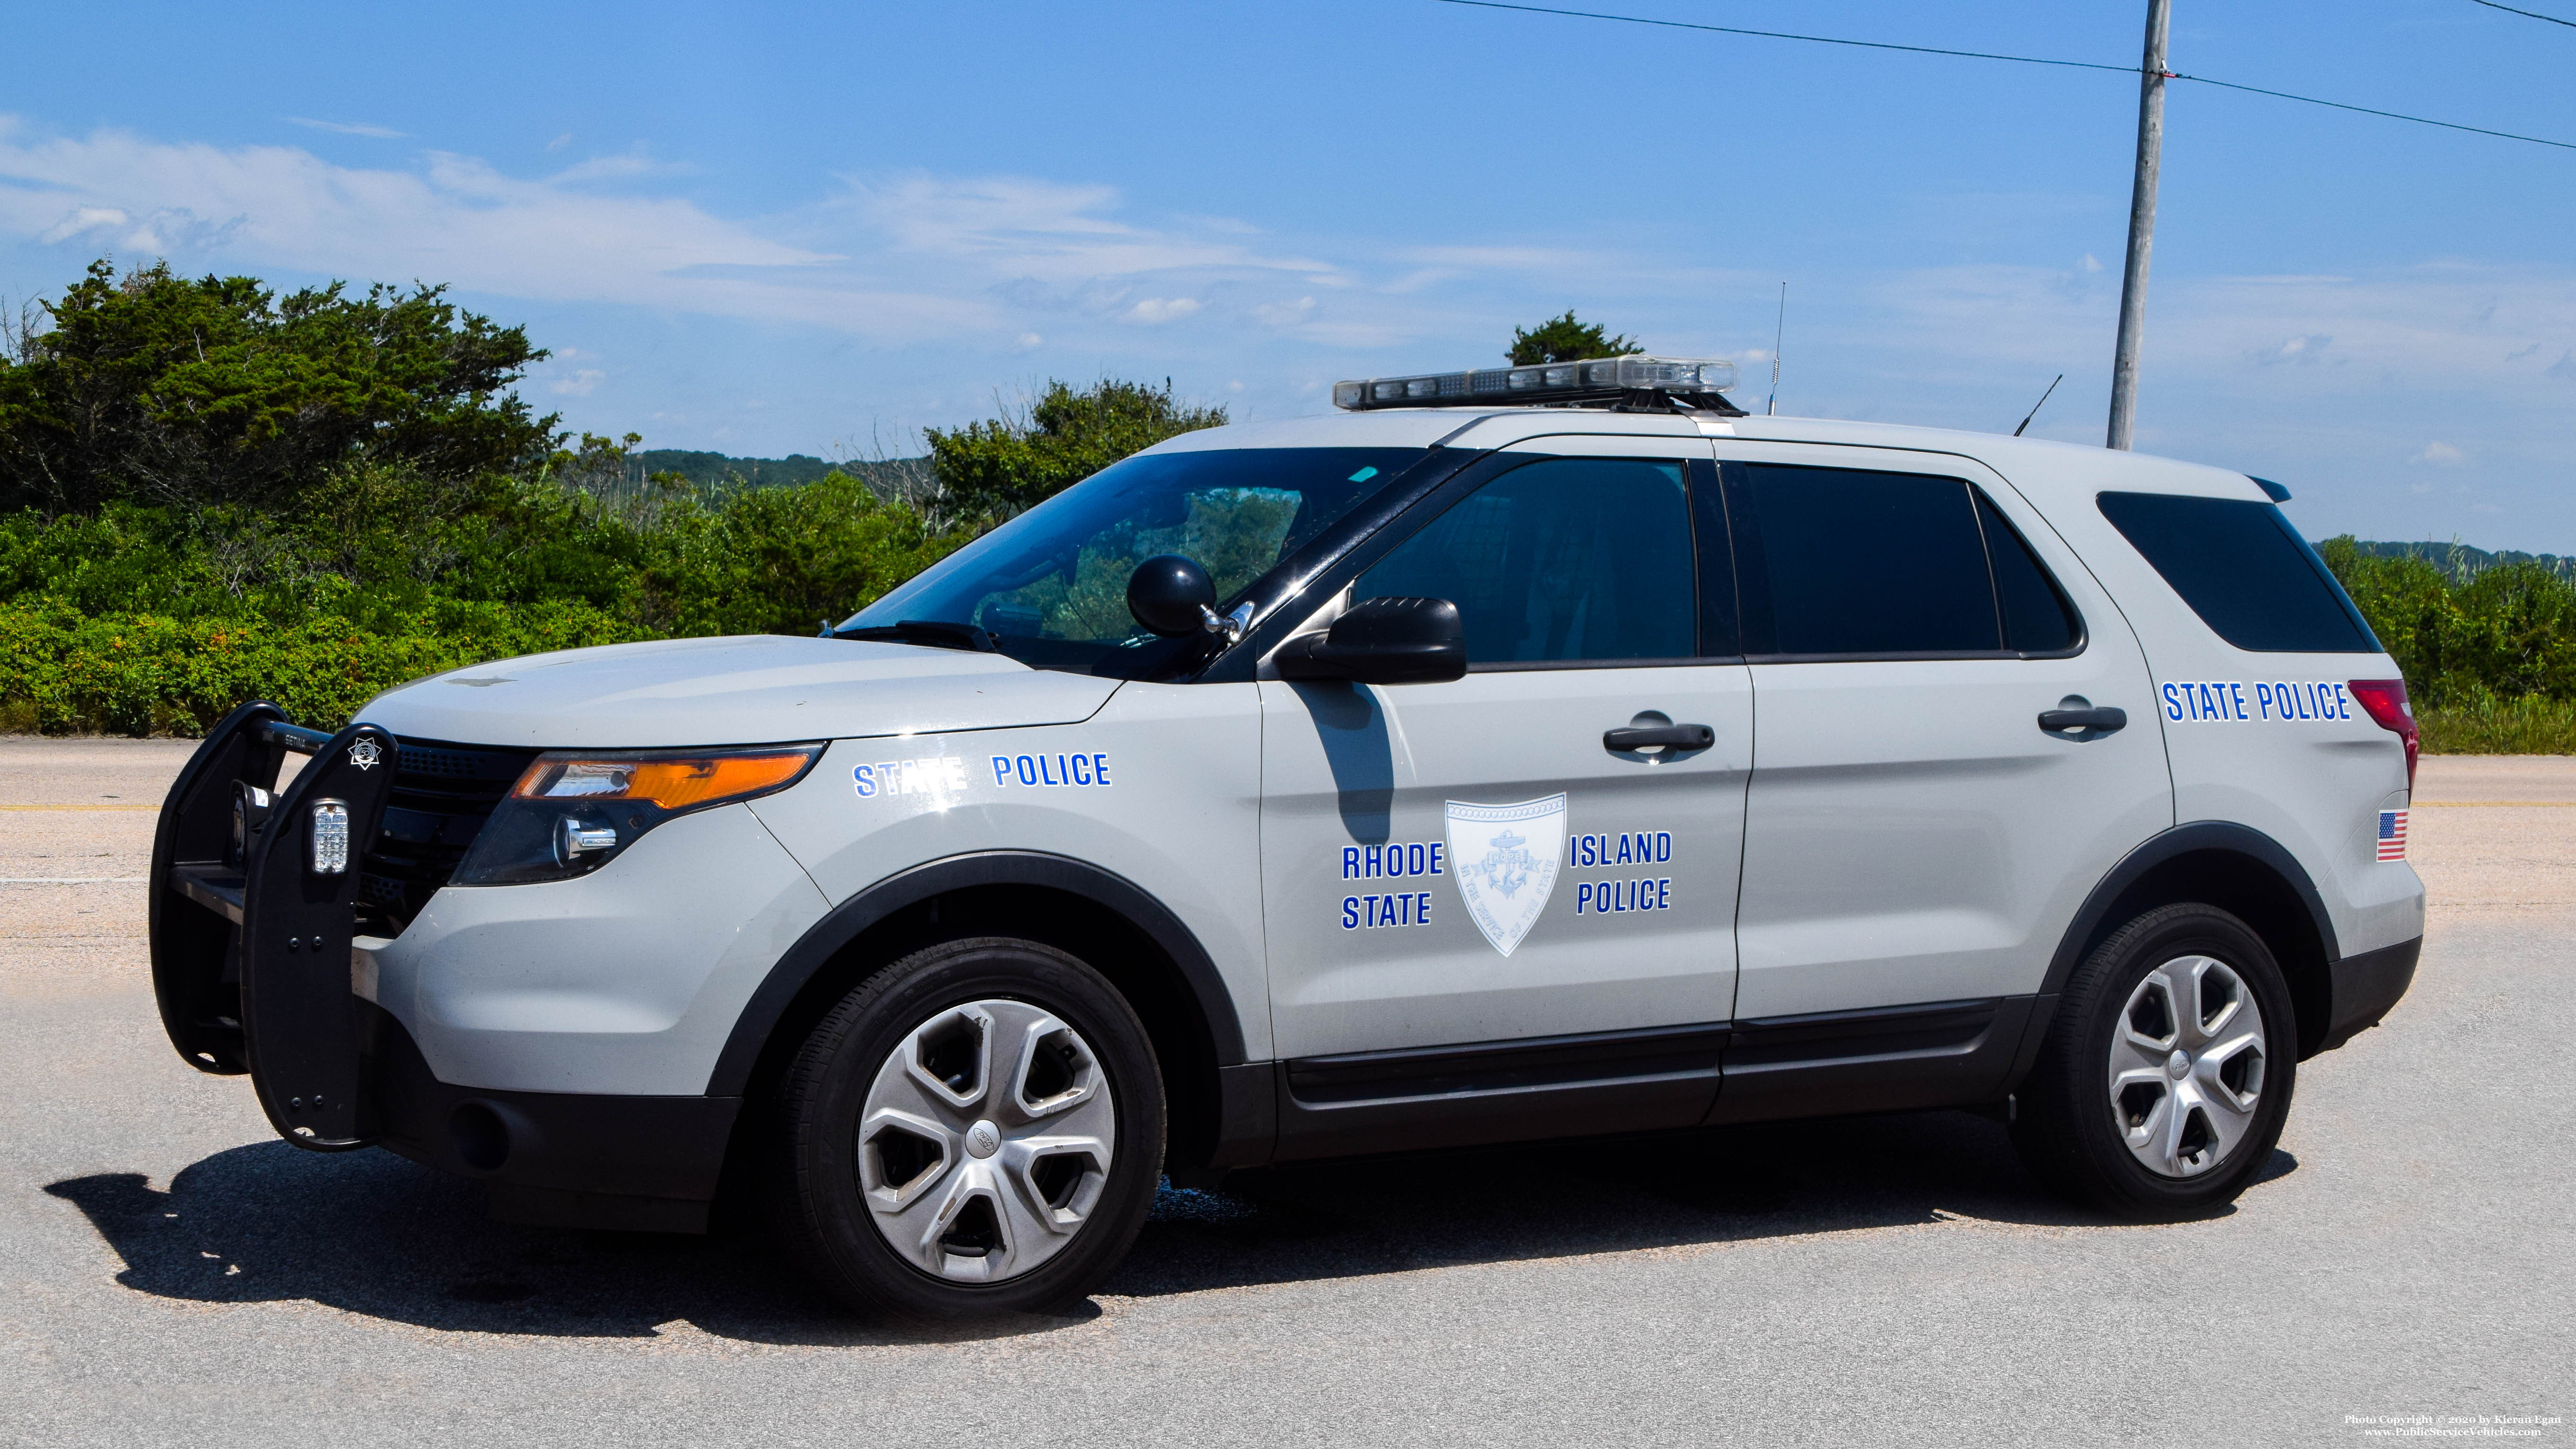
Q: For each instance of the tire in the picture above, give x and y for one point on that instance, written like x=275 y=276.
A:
x=2112 y=1119
x=940 y=1137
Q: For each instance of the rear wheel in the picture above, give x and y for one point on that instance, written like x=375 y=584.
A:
x=975 y=1129
x=2167 y=1073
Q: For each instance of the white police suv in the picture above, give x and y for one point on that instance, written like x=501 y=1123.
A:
x=1518 y=754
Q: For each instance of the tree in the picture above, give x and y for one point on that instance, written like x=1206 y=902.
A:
x=990 y=470
x=217 y=391
x=1562 y=339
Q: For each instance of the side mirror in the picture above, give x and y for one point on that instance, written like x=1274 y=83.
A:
x=1171 y=596
x=1383 y=641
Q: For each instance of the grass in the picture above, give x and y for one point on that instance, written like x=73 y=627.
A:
x=2532 y=726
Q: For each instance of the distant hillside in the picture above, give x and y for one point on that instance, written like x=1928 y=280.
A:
x=705 y=469
x=2460 y=563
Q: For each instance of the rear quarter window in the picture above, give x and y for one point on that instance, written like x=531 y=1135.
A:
x=2244 y=570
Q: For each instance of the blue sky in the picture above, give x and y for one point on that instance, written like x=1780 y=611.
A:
x=763 y=229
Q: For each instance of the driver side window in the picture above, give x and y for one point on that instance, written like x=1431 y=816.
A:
x=1565 y=560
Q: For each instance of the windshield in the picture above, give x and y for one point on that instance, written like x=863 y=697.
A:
x=1051 y=584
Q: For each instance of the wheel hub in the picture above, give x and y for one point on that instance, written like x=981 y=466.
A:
x=986 y=1141
x=2186 y=1066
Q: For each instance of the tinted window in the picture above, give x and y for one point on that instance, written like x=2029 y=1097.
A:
x=2244 y=570
x=1573 y=558
x=2037 y=619
x=1867 y=563
x=1051 y=584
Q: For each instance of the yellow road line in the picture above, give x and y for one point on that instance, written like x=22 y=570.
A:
x=80 y=808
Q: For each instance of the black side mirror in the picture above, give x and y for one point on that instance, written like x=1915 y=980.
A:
x=1171 y=595
x=1383 y=641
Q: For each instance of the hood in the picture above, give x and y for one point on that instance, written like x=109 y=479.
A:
x=755 y=689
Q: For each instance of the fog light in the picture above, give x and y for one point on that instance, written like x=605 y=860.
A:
x=575 y=838
x=330 y=838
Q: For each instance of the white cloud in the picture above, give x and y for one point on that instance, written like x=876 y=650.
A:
x=581 y=384
x=1162 y=309
x=2439 y=452
x=347 y=128
x=2089 y=264
x=83 y=219
x=1030 y=342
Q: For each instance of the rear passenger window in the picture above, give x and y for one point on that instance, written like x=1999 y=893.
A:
x=2037 y=618
x=2244 y=570
x=1854 y=562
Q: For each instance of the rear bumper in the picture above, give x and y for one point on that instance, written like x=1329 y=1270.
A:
x=2366 y=986
x=565 y=1159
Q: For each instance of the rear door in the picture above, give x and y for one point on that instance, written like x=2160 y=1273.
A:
x=1913 y=834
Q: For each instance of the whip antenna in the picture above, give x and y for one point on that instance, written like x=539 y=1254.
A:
x=1779 y=329
x=2035 y=407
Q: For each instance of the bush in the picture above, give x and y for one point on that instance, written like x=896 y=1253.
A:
x=2530 y=726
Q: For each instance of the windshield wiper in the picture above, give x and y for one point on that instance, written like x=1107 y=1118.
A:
x=930 y=633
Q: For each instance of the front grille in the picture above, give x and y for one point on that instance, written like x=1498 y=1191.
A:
x=441 y=798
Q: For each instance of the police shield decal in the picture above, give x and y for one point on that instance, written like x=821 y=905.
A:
x=1505 y=859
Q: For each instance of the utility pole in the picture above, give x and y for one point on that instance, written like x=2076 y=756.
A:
x=2142 y=229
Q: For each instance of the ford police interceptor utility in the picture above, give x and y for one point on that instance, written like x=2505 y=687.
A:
x=1516 y=754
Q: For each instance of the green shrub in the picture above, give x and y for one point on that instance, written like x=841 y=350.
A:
x=2529 y=726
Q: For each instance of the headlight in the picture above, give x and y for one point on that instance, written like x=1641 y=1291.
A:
x=572 y=812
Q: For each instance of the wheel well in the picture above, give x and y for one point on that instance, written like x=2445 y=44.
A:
x=1103 y=939
x=2255 y=893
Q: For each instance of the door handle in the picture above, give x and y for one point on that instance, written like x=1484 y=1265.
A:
x=1638 y=737
x=2105 y=719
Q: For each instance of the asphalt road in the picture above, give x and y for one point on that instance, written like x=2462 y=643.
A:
x=172 y=1274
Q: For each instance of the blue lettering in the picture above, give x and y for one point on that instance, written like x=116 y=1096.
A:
x=1417 y=859
x=1350 y=862
x=1582 y=897
x=1028 y=769
x=2173 y=702
x=1082 y=769
x=865 y=778
x=1100 y=768
x=1664 y=894
x=2343 y=703
x=2236 y=692
x=1001 y=769
x=1350 y=913
x=1374 y=862
x=1422 y=912
x=1663 y=846
x=1436 y=848
x=1624 y=856
x=2263 y=700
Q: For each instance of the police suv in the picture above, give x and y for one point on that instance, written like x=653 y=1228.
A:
x=1517 y=754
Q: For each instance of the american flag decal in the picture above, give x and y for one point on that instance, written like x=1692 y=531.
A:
x=2392 y=835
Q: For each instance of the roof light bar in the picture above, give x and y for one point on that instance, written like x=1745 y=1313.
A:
x=1606 y=378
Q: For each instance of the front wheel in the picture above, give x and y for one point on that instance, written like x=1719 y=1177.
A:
x=977 y=1128
x=2166 y=1076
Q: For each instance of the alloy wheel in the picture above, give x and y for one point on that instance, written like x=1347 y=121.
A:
x=986 y=1140
x=2186 y=1066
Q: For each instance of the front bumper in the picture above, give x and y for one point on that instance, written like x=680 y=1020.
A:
x=552 y=1040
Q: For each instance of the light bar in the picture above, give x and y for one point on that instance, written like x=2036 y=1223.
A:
x=1552 y=382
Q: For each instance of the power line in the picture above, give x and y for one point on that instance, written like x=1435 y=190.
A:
x=1785 y=35
x=2534 y=14
x=2028 y=60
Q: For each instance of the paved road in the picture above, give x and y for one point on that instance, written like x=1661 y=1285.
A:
x=170 y=1273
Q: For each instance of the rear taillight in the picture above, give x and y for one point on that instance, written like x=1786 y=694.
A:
x=2386 y=701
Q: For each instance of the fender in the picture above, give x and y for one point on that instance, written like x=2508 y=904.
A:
x=2199 y=835
x=853 y=917
x=2091 y=921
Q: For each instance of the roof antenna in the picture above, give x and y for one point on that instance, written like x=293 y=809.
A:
x=2035 y=407
x=1779 y=329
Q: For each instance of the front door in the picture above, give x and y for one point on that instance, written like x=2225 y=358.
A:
x=1471 y=862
